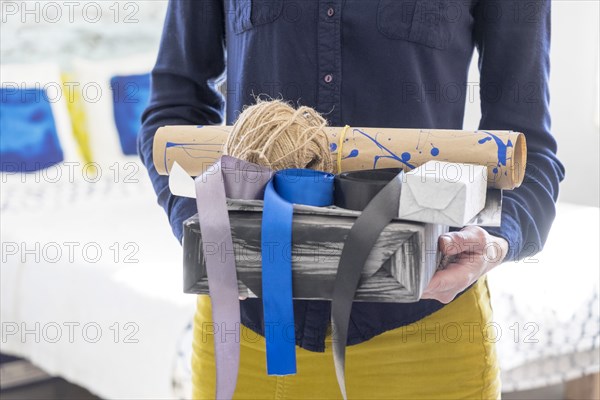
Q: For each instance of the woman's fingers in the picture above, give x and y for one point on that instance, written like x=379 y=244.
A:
x=470 y=253
x=447 y=283
x=470 y=238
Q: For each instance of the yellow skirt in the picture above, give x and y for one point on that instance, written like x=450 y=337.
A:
x=449 y=354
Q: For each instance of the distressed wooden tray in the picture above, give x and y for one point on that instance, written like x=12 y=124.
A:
x=398 y=269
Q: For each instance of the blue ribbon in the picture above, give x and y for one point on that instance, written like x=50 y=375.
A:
x=300 y=186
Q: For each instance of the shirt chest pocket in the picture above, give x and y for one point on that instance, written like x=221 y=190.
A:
x=417 y=21
x=248 y=14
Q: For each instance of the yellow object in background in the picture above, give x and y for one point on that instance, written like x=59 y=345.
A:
x=74 y=99
x=449 y=354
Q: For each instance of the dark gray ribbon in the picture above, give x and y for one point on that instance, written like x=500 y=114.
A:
x=362 y=237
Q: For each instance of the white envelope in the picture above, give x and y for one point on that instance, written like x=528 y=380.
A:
x=443 y=193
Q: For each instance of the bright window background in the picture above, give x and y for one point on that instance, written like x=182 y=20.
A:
x=573 y=97
x=59 y=30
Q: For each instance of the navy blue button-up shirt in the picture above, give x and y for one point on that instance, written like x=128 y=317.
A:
x=381 y=63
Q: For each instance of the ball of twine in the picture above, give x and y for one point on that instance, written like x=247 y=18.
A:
x=275 y=135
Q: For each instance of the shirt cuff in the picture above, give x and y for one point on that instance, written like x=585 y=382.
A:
x=509 y=230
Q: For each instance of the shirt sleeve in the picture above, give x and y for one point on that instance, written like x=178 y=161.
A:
x=513 y=41
x=189 y=67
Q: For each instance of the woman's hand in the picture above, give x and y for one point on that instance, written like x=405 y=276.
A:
x=469 y=253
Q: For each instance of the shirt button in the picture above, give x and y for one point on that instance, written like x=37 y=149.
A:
x=328 y=78
x=330 y=12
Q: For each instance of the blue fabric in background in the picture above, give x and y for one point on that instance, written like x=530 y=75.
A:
x=28 y=136
x=131 y=95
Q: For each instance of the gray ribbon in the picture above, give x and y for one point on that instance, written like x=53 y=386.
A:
x=237 y=179
x=361 y=239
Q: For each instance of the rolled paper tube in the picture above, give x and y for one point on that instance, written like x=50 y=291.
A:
x=196 y=148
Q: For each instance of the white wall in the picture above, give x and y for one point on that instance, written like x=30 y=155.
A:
x=574 y=97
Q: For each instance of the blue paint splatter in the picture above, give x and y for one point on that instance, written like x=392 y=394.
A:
x=502 y=148
x=333 y=147
x=435 y=151
x=390 y=153
x=188 y=148
x=353 y=153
